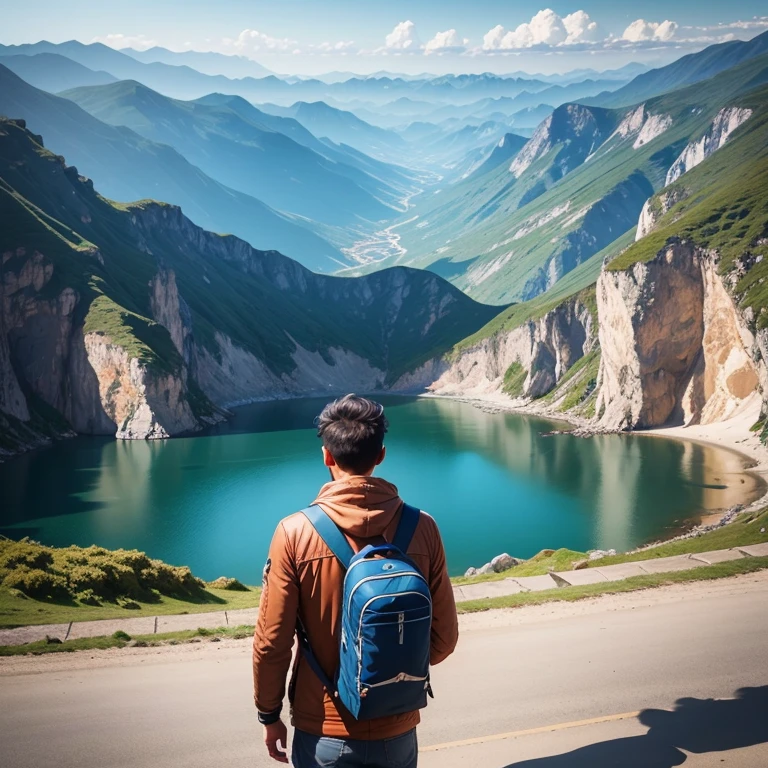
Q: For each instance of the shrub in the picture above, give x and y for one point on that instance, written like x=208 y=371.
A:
x=36 y=583
x=223 y=582
x=120 y=635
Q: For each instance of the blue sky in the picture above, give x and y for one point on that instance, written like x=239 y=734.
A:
x=313 y=36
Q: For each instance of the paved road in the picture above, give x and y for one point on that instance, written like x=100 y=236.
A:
x=513 y=672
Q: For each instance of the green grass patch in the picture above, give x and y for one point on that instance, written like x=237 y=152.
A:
x=539 y=565
x=633 y=584
x=18 y=611
x=743 y=531
x=121 y=640
x=514 y=380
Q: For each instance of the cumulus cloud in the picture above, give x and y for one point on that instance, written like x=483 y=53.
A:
x=252 y=41
x=545 y=29
x=118 y=40
x=403 y=37
x=641 y=31
x=445 y=42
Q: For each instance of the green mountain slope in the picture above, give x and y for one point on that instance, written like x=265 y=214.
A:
x=722 y=204
x=687 y=70
x=53 y=73
x=521 y=230
x=239 y=152
x=126 y=166
x=130 y=318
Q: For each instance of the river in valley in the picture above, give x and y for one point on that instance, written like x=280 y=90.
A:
x=493 y=481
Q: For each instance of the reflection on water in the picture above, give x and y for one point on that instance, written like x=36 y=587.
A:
x=492 y=481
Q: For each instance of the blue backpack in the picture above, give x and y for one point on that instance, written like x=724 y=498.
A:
x=386 y=623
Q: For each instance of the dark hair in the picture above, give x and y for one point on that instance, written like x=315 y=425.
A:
x=352 y=429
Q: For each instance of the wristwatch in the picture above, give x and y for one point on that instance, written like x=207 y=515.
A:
x=269 y=718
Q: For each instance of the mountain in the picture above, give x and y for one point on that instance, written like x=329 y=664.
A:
x=340 y=127
x=502 y=154
x=209 y=63
x=669 y=329
x=377 y=177
x=577 y=186
x=128 y=167
x=53 y=73
x=687 y=70
x=242 y=153
x=131 y=320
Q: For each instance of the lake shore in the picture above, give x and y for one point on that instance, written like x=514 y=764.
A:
x=733 y=436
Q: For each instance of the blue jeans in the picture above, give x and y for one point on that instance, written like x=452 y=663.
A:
x=324 y=752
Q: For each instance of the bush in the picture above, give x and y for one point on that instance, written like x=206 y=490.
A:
x=91 y=575
x=223 y=582
x=36 y=583
x=120 y=635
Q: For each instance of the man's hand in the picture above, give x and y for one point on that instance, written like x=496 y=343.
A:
x=276 y=734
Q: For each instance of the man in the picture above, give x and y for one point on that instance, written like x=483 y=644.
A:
x=303 y=581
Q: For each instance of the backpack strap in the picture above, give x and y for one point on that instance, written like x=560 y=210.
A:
x=409 y=519
x=330 y=533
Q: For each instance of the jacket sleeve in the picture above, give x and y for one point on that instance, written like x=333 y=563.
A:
x=275 y=626
x=445 y=622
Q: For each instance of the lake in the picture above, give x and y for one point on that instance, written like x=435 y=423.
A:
x=494 y=482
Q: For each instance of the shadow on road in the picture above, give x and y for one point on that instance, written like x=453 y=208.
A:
x=695 y=725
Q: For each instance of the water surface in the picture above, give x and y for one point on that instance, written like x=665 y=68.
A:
x=494 y=483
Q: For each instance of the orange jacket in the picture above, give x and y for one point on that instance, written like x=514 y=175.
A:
x=303 y=579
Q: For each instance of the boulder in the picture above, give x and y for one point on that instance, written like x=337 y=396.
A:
x=487 y=568
x=504 y=562
x=470 y=572
x=580 y=565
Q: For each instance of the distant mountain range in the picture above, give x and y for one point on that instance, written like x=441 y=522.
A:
x=572 y=193
x=131 y=320
x=128 y=167
x=234 y=145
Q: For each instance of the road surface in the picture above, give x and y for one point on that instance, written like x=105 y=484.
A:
x=554 y=686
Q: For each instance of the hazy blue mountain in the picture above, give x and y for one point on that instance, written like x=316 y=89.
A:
x=341 y=127
x=373 y=175
x=54 y=73
x=508 y=146
x=209 y=62
x=127 y=167
x=241 y=153
x=687 y=70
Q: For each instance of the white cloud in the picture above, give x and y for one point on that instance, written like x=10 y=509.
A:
x=252 y=41
x=138 y=42
x=580 y=28
x=403 y=37
x=339 y=47
x=445 y=42
x=641 y=31
x=545 y=29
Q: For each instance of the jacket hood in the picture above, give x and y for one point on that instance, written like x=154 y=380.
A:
x=360 y=506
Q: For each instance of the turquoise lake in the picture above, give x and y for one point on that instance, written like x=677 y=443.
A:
x=494 y=482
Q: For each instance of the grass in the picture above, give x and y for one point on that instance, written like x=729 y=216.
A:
x=632 y=584
x=121 y=640
x=17 y=611
x=563 y=594
x=514 y=380
x=741 y=532
x=547 y=560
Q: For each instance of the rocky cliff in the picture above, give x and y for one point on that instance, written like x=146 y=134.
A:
x=675 y=348
x=525 y=361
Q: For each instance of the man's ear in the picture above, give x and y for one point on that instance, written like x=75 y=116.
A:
x=328 y=460
x=381 y=455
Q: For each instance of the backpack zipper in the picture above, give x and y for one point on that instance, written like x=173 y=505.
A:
x=384 y=576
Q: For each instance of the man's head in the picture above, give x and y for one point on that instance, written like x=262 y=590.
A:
x=352 y=429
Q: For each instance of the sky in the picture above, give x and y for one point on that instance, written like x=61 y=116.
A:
x=439 y=36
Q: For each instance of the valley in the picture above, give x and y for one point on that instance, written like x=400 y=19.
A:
x=460 y=235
